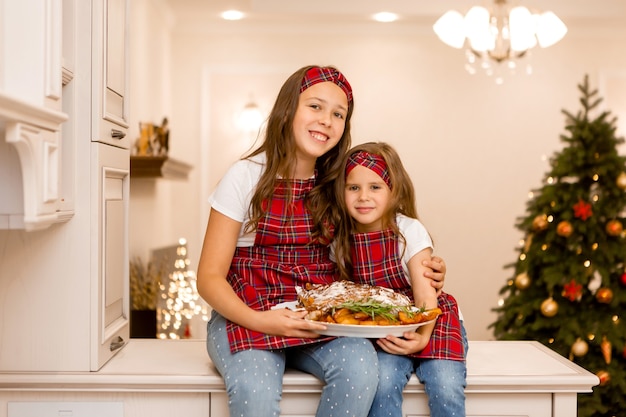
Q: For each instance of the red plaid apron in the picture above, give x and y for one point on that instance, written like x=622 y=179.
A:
x=377 y=261
x=282 y=257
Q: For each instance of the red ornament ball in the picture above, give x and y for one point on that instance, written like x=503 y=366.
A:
x=614 y=228
x=604 y=376
x=564 y=229
x=623 y=278
x=604 y=295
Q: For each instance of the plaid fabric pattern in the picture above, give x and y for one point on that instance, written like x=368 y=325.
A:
x=377 y=261
x=321 y=74
x=282 y=257
x=370 y=161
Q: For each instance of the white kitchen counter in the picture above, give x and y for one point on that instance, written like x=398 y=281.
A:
x=513 y=377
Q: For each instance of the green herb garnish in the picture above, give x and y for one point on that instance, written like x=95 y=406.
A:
x=375 y=308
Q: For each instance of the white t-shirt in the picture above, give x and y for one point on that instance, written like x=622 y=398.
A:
x=234 y=192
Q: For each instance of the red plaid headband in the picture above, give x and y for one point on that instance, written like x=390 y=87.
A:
x=320 y=74
x=370 y=161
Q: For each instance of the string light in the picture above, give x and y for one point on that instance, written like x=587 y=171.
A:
x=180 y=300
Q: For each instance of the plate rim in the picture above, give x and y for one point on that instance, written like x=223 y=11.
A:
x=352 y=330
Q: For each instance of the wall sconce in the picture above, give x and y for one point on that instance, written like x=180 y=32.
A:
x=250 y=118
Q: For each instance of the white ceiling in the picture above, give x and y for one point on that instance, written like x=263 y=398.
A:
x=206 y=12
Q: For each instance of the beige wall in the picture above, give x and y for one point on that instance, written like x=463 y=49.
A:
x=473 y=148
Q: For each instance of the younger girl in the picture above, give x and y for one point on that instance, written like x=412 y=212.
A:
x=382 y=242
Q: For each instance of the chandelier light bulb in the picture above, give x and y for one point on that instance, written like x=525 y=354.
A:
x=522 y=29
x=478 y=29
x=450 y=30
x=501 y=35
x=550 y=29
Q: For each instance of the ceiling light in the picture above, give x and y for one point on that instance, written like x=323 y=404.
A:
x=498 y=37
x=385 y=17
x=232 y=15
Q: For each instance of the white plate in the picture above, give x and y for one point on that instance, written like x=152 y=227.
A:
x=291 y=305
x=374 y=332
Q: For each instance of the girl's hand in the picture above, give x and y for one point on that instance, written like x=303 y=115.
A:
x=285 y=322
x=413 y=342
x=437 y=272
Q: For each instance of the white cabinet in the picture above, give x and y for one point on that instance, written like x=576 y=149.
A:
x=161 y=378
x=64 y=286
x=110 y=291
x=110 y=72
x=110 y=173
x=31 y=188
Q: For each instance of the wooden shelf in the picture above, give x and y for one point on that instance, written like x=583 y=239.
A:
x=158 y=167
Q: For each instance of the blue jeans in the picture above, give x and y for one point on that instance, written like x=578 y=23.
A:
x=444 y=383
x=254 y=378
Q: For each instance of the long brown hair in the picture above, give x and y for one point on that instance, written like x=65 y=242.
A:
x=279 y=146
x=402 y=201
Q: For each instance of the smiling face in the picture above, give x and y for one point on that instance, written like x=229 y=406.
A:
x=367 y=198
x=319 y=121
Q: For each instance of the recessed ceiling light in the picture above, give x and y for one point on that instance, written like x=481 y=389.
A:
x=232 y=15
x=385 y=17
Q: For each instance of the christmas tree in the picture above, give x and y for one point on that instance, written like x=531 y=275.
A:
x=568 y=286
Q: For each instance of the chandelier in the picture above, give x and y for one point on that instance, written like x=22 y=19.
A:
x=499 y=37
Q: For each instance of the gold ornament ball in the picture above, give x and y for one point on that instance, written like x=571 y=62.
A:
x=522 y=281
x=621 y=181
x=540 y=223
x=614 y=228
x=564 y=229
x=604 y=295
x=549 y=307
x=580 y=347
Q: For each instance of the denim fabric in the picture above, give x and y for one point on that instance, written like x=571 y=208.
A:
x=253 y=378
x=444 y=382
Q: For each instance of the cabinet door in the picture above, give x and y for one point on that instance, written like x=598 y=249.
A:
x=110 y=72
x=110 y=253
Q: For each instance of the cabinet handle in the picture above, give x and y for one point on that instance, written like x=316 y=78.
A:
x=117 y=343
x=117 y=134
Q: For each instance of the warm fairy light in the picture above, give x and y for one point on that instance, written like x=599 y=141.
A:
x=550 y=180
x=181 y=301
x=595 y=177
x=550 y=218
x=587 y=263
x=522 y=257
x=594 y=246
x=615 y=319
